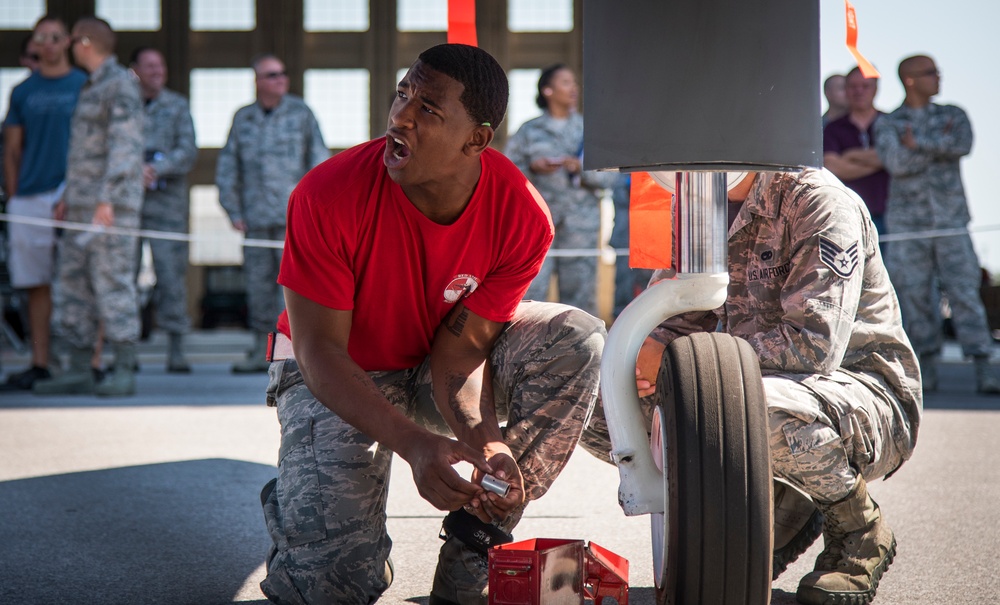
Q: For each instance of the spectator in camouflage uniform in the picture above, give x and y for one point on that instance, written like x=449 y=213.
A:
x=169 y=155
x=809 y=292
x=548 y=150
x=272 y=144
x=382 y=363
x=103 y=187
x=921 y=145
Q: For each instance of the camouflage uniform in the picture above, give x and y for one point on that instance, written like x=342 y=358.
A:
x=326 y=513
x=171 y=150
x=97 y=271
x=265 y=156
x=926 y=193
x=573 y=202
x=809 y=292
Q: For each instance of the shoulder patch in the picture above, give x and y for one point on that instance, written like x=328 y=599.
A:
x=842 y=262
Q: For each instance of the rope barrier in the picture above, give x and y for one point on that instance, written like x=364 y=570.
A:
x=147 y=233
x=555 y=252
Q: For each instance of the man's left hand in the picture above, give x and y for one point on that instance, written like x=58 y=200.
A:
x=148 y=176
x=488 y=506
x=104 y=215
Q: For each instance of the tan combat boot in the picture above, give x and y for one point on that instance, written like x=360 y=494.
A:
x=256 y=359
x=176 y=363
x=797 y=524
x=859 y=548
x=928 y=372
x=120 y=383
x=987 y=376
x=78 y=379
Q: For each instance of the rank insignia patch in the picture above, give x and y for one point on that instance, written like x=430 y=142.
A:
x=842 y=262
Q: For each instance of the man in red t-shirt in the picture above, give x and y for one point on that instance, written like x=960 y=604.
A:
x=405 y=262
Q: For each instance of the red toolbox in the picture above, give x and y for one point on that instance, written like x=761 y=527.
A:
x=549 y=571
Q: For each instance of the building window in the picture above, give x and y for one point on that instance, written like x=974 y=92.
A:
x=336 y=15
x=216 y=94
x=340 y=100
x=214 y=241
x=422 y=15
x=231 y=15
x=534 y=16
x=130 y=15
x=9 y=78
x=20 y=14
x=523 y=91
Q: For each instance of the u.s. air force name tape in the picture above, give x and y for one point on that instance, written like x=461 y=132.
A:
x=554 y=252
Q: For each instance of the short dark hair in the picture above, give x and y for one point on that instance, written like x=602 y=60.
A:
x=134 y=57
x=485 y=82
x=545 y=80
x=905 y=64
x=257 y=59
x=99 y=31
x=53 y=18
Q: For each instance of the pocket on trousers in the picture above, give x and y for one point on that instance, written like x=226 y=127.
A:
x=298 y=490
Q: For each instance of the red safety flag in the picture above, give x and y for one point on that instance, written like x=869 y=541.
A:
x=462 y=22
x=867 y=69
x=650 y=224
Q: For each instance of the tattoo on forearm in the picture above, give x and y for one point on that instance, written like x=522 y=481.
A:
x=457 y=324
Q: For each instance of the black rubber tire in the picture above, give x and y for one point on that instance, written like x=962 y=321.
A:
x=718 y=466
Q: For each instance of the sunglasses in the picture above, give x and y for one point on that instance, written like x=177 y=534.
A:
x=274 y=75
x=46 y=38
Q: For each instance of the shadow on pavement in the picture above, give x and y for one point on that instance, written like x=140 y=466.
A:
x=207 y=385
x=174 y=533
x=957 y=390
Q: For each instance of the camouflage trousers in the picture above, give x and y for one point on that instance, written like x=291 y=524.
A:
x=824 y=430
x=576 y=227
x=96 y=277
x=921 y=269
x=265 y=300
x=326 y=511
x=170 y=263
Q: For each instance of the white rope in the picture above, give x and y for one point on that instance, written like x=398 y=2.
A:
x=555 y=252
x=147 y=233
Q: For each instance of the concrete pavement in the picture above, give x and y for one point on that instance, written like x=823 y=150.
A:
x=154 y=498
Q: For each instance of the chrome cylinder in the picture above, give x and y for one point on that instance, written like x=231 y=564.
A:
x=701 y=226
x=497 y=486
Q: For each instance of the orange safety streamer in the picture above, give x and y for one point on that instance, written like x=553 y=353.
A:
x=462 y=22
x=650 y=224
x=867 y=69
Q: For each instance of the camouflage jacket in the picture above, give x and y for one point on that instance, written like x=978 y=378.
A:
x=809 y=292
x=926 y=188
x=264 y=158
x=544 y=137
x=105 y=147
x=170 y=148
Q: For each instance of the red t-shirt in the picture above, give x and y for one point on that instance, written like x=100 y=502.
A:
x=355 y=242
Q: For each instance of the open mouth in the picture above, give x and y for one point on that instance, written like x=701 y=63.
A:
x=399 y=149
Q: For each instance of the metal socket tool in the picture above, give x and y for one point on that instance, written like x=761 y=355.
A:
x=497 y=486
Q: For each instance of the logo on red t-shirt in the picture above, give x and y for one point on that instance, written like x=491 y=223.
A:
x=461 y=286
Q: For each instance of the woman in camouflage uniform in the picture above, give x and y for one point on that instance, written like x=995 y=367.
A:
x=548 y=150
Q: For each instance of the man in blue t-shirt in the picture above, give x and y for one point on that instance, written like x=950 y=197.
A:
x=36 y=141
